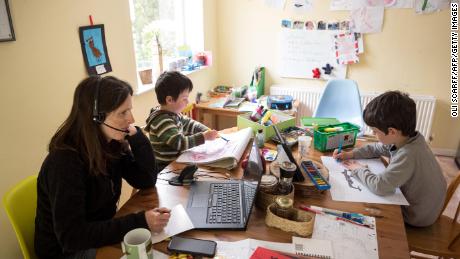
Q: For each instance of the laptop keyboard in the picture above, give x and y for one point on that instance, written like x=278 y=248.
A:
x=226 y=203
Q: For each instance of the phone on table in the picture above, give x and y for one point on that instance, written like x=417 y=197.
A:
x=193 y=246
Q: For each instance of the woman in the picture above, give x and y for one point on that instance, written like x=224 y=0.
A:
x=79 y=183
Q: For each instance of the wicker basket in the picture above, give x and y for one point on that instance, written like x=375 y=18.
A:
x=264 y=199
x=301 y=224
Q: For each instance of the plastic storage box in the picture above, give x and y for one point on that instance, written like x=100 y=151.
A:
x=328 y=141
x=284 y=121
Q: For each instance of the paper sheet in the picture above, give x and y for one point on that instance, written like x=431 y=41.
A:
x=346 y=46
x=300 y=6
x=178 y=222
x=348 y=240
x=278 y=4
x=367 y=15
x=353 y=190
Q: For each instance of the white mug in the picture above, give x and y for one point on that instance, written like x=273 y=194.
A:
x=137 y=244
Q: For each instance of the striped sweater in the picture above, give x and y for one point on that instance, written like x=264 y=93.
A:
x=172 y=133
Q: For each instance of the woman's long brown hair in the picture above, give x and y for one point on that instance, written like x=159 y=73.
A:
x=79 y=132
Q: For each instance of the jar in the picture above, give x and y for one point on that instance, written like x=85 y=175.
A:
x=260 y=138
x=287 y=171
x=283 y=207
x=268 y=183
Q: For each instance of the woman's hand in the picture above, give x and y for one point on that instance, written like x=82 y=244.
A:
x=157 y=219
x=132 y=130
x=343 y=155
x=352 y=165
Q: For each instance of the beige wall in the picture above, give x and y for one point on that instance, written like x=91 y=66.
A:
x=39 y=71
x=411 y=54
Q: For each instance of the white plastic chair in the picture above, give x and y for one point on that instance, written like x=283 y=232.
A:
x=341 y=100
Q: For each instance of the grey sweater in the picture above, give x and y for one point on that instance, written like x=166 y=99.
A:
x=414 y=169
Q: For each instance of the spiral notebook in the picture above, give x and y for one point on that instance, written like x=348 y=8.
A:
x=313 y=247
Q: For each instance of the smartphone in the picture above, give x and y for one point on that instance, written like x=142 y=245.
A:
x=193 y=246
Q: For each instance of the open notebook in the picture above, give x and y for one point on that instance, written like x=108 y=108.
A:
x=218 y=152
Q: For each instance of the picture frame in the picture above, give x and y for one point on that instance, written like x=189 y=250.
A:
x=94 y=49
x=6 y=24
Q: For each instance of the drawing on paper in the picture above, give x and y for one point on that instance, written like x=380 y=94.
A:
x=349 y=180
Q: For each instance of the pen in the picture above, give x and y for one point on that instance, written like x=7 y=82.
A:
x=227 y=140
x=356 y=217
x=306 y=208
x=340 y=148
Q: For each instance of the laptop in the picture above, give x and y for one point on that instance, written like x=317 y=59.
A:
x=226 y=204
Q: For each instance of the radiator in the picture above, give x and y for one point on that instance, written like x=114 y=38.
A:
x=309 y=100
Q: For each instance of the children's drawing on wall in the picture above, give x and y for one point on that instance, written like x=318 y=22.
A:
x=92 y=40
x=340 y=5
x=285 y=24
x=429 y=6
x=321 y=25
x=277 y=4
x=298 y=25
x=333 y=26
x=309 y=25
x=346 y=47
x=300 y=6
x=399 y=4
x=367 y=16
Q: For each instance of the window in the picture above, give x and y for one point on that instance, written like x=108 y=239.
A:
x=177 y=25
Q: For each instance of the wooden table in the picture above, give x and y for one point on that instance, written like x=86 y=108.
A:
x=391 y=235
x=203 y=108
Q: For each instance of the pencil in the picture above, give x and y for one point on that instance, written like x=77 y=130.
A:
x=353 y=222
x=227 y=140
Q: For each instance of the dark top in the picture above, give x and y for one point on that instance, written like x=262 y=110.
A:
x=75 y=209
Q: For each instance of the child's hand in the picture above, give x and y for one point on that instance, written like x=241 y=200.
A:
x=352 y=165
x=210 y=134
x=344 y=155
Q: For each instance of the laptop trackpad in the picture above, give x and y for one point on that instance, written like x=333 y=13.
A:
x=200 y=201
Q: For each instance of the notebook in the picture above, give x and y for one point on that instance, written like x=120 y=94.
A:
x=218 y=152
x=313 y=247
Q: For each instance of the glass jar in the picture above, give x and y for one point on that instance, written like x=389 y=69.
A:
x=283 y=207
x=260 y=138
x=268 y=183
x=287 y=171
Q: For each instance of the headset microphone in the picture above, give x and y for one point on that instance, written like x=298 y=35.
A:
x=117 y=129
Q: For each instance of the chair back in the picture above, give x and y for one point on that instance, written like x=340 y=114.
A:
x=341 y=100
x=450 y=193
x=20 y=205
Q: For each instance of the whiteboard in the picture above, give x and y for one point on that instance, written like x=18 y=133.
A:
x=301 y=51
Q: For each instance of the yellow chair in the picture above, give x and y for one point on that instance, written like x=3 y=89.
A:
x=20 y=204
x=188 y=110
x=441 y=238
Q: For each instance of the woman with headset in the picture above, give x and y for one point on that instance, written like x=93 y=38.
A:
x=79 y=183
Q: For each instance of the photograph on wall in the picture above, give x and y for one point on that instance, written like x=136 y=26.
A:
x=6 y=24
x=93 y=46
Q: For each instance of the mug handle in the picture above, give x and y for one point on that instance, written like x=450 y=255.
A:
x=123 y=248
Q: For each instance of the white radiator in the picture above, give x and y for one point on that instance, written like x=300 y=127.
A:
x=309 y=100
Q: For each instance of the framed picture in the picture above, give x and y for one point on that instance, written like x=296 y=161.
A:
x=6 y=25
x=92 y=39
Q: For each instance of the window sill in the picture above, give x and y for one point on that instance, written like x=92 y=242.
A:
x=141 y=88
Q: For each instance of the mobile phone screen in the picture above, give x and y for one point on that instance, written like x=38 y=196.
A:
x=192 y=246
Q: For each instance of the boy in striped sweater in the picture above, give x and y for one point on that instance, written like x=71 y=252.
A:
x=170 y=132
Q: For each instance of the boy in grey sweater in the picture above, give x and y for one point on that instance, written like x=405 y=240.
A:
x=413 y=167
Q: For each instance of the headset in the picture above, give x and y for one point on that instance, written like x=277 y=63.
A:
x=99 y=117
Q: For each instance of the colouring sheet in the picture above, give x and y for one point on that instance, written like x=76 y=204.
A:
x=347 y=188
x=348 y=240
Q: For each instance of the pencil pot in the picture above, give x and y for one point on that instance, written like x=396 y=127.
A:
x=328 y=138
x=300 y=222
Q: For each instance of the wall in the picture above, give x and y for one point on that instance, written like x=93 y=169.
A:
x=411 y=54
x=39 y=71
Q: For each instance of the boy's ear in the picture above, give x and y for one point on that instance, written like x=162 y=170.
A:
x=393 y=131
x=169 y=99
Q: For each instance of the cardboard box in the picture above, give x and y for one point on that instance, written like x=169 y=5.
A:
x=284 y=121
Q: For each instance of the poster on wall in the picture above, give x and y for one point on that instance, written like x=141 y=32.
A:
x=92 y=40
x=6 y=25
